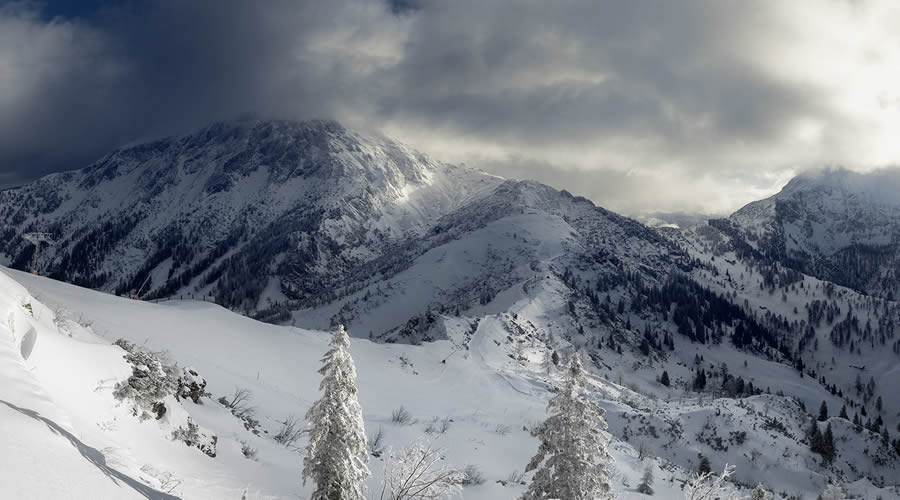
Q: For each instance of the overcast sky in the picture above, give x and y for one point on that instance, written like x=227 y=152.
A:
x=641 y=106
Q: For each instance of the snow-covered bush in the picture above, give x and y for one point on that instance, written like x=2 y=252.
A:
x=708 y=486
x=416 y=473
x=192 y=435
x=191 y=386
x=759 y=493
x=248 y=451
x=152 y=379
x=833 y=492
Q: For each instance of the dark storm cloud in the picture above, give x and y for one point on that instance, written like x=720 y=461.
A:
x=620 y=101
x=573 y=71
x=73 y=89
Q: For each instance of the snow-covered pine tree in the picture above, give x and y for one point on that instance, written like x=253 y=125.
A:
x=833 y=492
x=572 y=459
x=336 y=456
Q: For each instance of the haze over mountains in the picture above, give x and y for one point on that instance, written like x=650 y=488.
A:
x=756 y=319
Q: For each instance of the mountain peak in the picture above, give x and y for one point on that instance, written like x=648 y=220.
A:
x=876 y=186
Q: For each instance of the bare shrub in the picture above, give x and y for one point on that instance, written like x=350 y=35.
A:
x=291 y=429
x=239 y=402
x=472 y=475
x=401 y=416
x=513 y=478
x=438 y=426
x=416 y=473
x=376 y=443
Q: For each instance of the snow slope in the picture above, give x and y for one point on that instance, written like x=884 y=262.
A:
x=48 y=450
x=278 y=364
x=493 y=387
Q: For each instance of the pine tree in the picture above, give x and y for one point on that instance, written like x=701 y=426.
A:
x=700 y=380
x=823 y=412
x=828 y=449
x=844 y=413
x=572 y=458
x=664 y=379
x=817 y=441
x=646 y=486
x=704 y=467
x=336 y=455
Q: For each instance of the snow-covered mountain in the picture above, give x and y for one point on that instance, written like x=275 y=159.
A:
x=267 y=218
x=837 y=225
x=720 y=341
x=250 y=213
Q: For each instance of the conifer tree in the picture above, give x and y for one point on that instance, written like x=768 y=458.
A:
x=823 y=412
x=646 y=486
x=664 y=379
x=828 y=449
x=336 y=455
x=572 y=458
x=704 y=467
x=700 y=380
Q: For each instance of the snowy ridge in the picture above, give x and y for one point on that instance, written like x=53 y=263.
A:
x=249 y=212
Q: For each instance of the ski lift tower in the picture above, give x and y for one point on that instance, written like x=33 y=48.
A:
x=36 y=239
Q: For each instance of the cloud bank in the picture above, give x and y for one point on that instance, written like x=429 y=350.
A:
x=641 y=106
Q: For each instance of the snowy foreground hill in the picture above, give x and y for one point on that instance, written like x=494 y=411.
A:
x=70 y=438
x=767 y=340
x=67 y=436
